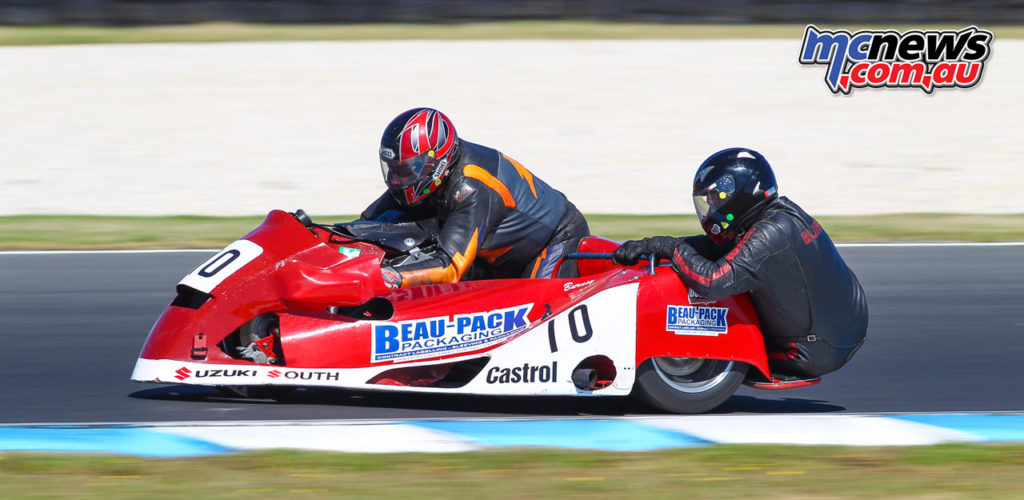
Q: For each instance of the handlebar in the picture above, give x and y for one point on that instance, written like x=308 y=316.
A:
x=651 y=259
x=588 y=255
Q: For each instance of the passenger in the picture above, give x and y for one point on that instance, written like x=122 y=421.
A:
x=812 y=309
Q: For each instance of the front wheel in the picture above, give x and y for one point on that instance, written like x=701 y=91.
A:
x=688 y=385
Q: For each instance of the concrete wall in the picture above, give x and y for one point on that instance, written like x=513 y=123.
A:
x=620 y=126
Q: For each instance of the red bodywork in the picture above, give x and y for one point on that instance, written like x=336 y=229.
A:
x=301 y=273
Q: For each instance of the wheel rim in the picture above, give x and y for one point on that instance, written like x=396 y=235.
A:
x=257 y=328
x=692 y=375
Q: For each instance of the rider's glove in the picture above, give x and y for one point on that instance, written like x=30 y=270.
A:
x=392 y=278
x=630 y=252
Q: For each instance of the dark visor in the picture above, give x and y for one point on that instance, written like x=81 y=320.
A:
x=402 y=175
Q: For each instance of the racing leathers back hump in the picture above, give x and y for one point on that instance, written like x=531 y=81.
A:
x=812 y=309
x=497 y=219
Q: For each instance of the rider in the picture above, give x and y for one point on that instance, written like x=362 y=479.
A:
x=813 y=311
x=497 y=219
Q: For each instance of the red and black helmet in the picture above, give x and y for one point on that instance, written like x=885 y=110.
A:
x=416 y=150
x=731 y=187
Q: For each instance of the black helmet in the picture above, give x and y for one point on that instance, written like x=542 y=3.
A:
x=415 y=151
x=729 y=190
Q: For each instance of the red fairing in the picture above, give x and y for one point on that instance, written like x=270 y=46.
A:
x=742 y=342
x=597 y=244
x=296 y=269
x=299 y=273
x=333 y=342
x=171 y=336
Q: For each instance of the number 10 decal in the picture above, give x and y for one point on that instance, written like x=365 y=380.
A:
x=211 y=273
x=579 y=319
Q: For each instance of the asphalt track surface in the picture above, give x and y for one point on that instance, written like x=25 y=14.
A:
x=946 y=334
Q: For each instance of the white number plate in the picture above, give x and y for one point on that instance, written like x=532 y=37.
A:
x=211 y=273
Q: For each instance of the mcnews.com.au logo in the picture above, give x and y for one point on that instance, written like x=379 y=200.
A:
x=927 y=60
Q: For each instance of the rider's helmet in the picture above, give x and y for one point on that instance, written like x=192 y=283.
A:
x=731 y=187
x=416 y=150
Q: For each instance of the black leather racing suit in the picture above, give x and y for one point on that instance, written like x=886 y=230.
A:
x=813 y=311
x=497 y=220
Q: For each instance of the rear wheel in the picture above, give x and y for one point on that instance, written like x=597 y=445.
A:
x=688 y=385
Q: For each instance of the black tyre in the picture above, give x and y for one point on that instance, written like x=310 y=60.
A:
x=687 y=385
x=257 y=328
x=239 y=344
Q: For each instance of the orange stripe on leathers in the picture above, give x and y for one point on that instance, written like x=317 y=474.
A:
x=536 y=263
x=450 y=274
x=525 y=174
x=492 y=255
x=475 y=172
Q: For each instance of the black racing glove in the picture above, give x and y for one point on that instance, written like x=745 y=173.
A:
x=632 y=251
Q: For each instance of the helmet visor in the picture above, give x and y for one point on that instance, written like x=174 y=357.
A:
x=703 y=205
x=403 y=175
x=709 y=199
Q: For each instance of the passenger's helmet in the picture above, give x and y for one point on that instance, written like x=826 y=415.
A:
x=731 y=187
x=416 y=150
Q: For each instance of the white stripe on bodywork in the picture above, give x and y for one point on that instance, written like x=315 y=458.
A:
x=612 y=315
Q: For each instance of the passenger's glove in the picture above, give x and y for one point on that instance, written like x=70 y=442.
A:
x=630 y=252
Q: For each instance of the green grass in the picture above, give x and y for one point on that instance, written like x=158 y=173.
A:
x=97 y=232
x=512 y=30
x=732 y=471
x=89 y=232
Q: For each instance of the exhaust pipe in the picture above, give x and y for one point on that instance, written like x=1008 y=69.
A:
x=585 y=378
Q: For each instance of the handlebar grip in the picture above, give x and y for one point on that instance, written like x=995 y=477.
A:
x=588 y=255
